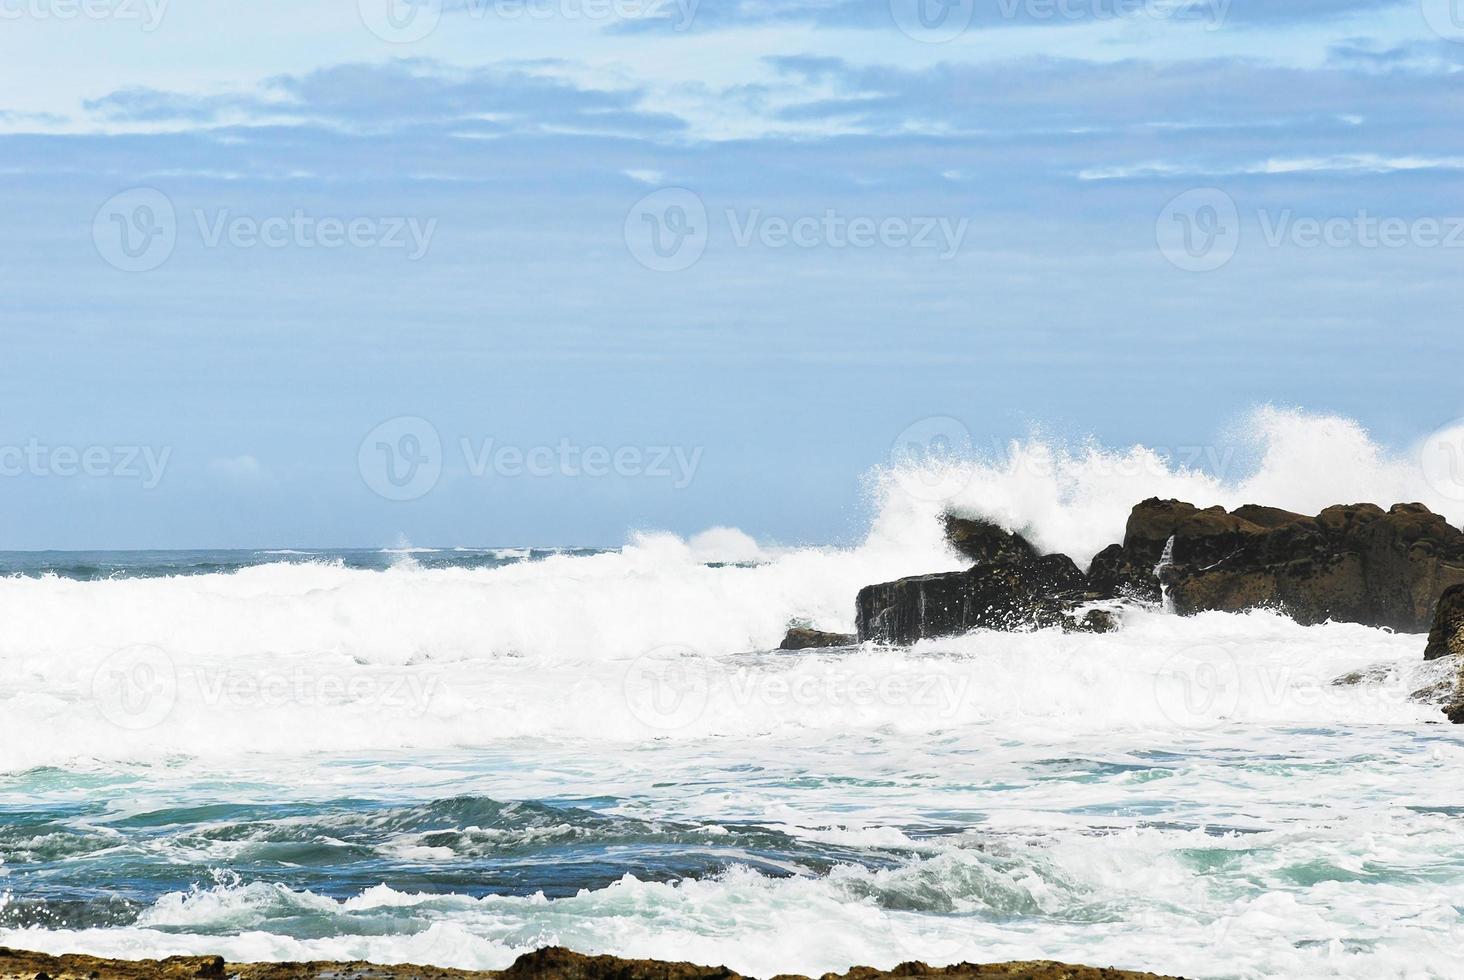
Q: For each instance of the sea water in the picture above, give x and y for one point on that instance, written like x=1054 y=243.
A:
x=455 y=755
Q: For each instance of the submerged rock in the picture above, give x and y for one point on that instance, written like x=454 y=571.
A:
x=802 y=638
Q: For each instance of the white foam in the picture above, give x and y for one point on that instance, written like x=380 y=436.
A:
x=321 y=657
x=1076 y=499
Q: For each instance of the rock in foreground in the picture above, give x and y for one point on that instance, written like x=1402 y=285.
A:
x=546 y=964
x=802 y=638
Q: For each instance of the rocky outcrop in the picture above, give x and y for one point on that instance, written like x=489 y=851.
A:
x=1012 y=591
x=1447 y=635
x=1354 y=564
x=802 y=638
x=983 y=541
x=551 y=963
x=1350 y=563
x=1446 y=645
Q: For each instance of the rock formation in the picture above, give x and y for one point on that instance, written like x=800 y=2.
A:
x=803 y=638
x=1351 y=563
x=1447 y=635
x=551 y=963
x=1010 y=587
x=1354 y=564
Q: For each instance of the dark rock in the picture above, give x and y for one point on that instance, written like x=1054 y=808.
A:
x=1116 y=574
x=1128 y=570
x=1097 y=621
x=801 y=638
x=983 y=541
x=1007 y=594
x=1356 y=564
x=1011 y=587
x=1267 y=517
x=1447 y=635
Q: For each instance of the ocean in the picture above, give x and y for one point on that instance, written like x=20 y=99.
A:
x=454 y=755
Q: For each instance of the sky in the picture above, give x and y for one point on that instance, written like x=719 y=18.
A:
x=510 y=272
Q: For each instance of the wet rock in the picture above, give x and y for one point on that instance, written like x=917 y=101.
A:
x=1007 y=594
x=1447 y=635
x=1353 y=563
x=983 y=541
x=1097 y=621
x=551 y=963
x=1011 y=586
x=802 y=638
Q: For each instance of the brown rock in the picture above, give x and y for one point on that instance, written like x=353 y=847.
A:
x=552 y=963
x=1447 y=635
x=983 y=541
x=802 y=638
x=1356 y=564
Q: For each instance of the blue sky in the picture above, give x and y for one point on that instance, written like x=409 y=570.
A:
x=344 y=218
